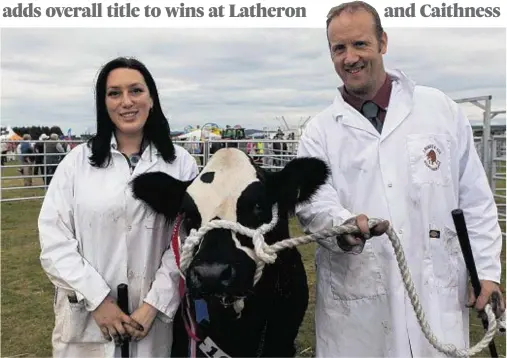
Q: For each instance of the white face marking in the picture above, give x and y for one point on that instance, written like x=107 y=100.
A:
x=233 y=173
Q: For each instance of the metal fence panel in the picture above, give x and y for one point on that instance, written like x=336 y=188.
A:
x=26 y=177
x=498 y=165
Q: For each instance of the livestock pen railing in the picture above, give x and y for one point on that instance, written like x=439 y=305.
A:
x=27 y=176
x=497 y=176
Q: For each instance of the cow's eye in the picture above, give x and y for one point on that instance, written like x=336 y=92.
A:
x=188 y=222
x=257 y=210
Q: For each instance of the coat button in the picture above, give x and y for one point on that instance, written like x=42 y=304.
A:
x=390 y=185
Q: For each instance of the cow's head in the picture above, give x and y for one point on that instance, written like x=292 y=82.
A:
x=231 y=187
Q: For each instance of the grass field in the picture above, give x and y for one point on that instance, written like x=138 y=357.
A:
x=27 y=319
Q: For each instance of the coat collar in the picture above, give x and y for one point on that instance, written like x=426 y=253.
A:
x=149 y=155
x=399 y=107
x=381 y=99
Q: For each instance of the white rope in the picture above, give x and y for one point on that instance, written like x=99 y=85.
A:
x=266 y=254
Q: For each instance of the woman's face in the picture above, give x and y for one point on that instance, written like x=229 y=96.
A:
x=128 y=100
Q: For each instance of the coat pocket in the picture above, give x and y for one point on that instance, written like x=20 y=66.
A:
x=78 y=324
x=445 y=254
x=429 y=158
x=354 y=277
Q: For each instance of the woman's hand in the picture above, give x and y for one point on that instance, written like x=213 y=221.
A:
x=145 y=315
x=112 y=321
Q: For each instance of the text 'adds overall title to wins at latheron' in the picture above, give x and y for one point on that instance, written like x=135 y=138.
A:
x=98 y=10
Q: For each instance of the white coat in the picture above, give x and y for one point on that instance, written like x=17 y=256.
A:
x=94 y=235
x=361 y=306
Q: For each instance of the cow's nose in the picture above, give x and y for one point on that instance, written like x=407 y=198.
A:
x=211 y=278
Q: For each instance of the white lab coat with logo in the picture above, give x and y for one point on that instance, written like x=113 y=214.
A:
x=422 y=166
x=94 y=235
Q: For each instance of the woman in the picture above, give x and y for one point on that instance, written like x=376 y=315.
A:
x=94 y=235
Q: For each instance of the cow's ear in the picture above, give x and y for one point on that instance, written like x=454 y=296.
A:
x=161 y=192
x=298 y=181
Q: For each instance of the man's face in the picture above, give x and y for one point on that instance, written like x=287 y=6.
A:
x=356 y=52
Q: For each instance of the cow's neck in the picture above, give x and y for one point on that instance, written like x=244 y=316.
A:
x=252 y=322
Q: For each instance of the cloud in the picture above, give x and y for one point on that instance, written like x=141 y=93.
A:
x=229 y=76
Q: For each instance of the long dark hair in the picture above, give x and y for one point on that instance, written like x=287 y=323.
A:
x=156 y=128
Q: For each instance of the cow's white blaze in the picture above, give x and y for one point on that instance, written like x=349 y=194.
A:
x=233 y=173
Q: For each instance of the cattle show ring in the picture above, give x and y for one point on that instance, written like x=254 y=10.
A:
x=27 y=295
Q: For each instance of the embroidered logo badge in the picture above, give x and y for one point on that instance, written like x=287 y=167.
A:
x=432 y=153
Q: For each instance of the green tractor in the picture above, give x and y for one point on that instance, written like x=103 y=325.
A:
x=233 y=133
x=236 y=133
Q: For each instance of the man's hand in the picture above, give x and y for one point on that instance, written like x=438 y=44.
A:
x=145 y=315
x=354 y=243
x=490 y=293
x=112 y=321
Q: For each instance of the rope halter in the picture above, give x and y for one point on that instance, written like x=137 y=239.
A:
x=266 y=254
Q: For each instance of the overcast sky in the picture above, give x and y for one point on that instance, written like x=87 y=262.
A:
x=229 y=76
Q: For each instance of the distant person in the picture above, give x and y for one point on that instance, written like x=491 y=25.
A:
x=94 y=235
x=250 y=147
x=404 y=153
x=279 y=149
x=291 y=147
x=54 y=154
x=215 y=146
x=27 y=159
x=260 y=159
x=5 y=149
x=38 y=148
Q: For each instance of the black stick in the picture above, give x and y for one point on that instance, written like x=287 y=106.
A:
x=123 y=303
x=464 y=242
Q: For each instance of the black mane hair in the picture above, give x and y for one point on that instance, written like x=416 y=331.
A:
x=156 y=129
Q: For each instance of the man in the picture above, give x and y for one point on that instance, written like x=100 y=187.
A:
x=38 y=148
x=54 y=154
x=404 y=153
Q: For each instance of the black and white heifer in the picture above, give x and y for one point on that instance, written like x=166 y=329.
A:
x=231 y=187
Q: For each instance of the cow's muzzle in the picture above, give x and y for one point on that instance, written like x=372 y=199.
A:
x=219 y=268
x=210 y=279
